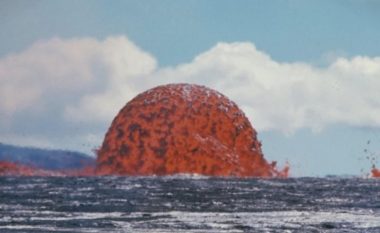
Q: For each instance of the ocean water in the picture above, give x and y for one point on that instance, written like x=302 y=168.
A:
x=188 y=204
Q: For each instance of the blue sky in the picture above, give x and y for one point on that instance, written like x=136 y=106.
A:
x=319 y=60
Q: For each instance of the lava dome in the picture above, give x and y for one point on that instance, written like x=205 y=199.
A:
x=182 y=128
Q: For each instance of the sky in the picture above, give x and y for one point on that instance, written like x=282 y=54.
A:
x=306 y=73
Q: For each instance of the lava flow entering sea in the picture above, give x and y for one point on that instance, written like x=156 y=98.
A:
x=16 y=169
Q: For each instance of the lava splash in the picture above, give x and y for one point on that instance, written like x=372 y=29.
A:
x=183 y=128
x=375 y=172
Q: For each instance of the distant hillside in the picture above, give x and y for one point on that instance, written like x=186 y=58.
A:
x=45 y=159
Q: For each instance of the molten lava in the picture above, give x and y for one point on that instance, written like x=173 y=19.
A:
x=183 y=128
x=375 y=172
x=16 y=169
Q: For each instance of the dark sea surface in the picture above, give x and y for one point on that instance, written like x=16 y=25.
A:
x=188 y=204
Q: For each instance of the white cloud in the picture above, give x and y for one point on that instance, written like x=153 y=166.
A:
x=125 y=65
x=82 y=83
x=71 y=83
x=287 y=96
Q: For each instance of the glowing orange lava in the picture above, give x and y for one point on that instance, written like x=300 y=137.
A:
x=15 y=169
x=375 y=172
x=183 y=128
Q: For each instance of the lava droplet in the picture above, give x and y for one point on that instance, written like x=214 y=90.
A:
x=375 y=172
x=183 y=128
